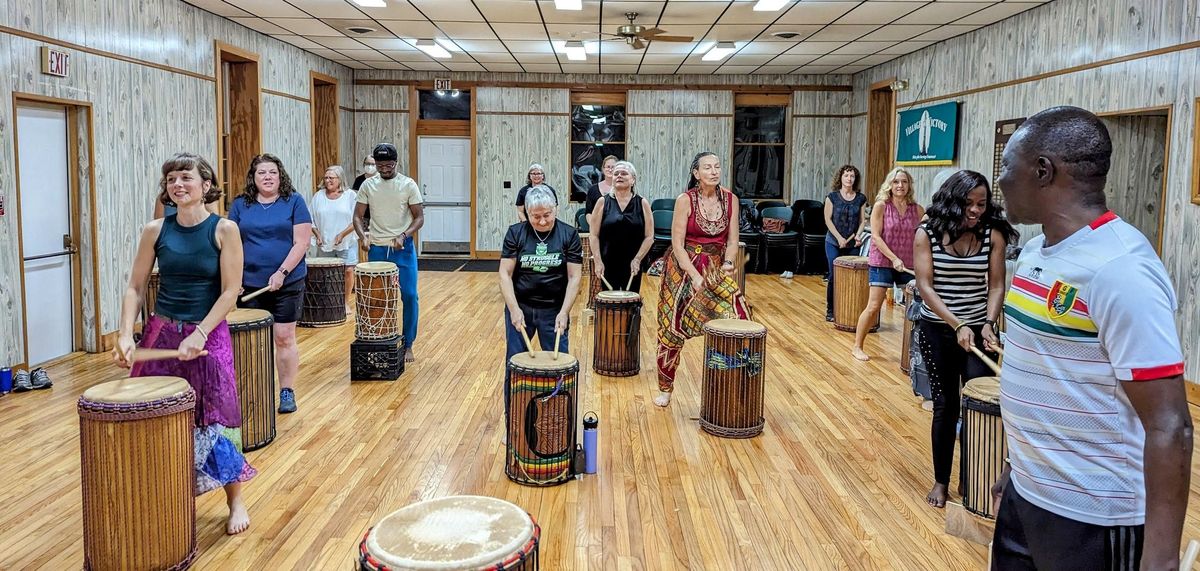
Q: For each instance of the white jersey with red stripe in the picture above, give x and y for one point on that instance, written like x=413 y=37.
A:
x=1083 y=316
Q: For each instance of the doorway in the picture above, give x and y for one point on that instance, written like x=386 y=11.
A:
x=445 y=167
x=239 y=116
x=1137 y=177
x=881 y=134
x=326 y=142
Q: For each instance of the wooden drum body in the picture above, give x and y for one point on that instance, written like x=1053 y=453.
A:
x=984 y=447
x=618 y=333
x=540 y=416
x=151 y=295
x=851 y=290
x=137 y=449
x=377 y=301
x=731 y=399
x=911 y=296
x=324 y=293
x=453 y=533
x=587 y=253
x=254 y=360
x=740 y=267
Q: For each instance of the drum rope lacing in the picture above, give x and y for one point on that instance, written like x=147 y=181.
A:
x=517 y=457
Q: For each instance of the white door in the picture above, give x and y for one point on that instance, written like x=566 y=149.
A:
x=45 y=231
x=444 y=167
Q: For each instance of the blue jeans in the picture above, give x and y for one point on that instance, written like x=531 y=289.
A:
x=832 y=252
x=406 y=260
x=540 y=321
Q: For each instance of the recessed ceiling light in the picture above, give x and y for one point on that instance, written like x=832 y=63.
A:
x=568 y=4
x=770 y=5
x=575 y=50
x=378 y=3
x=433 y=49
x=719 y=51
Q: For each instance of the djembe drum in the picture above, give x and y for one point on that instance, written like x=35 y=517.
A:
x=851 y=290
x=135 y=442
x=587 y=253
x=595 y=284
x=911 y=296
x=731 y=398
x=151 y=296
x=455 y=533
x=617 y=347
x=324 y=293
x=983 y=445
x=254 y=361
x=540 y=416
x=376 y=301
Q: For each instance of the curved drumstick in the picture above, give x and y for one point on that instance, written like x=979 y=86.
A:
x=255 y=294
x=986 y=360
x=1189 y=556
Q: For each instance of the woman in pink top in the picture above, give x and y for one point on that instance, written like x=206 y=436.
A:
x=894 y=220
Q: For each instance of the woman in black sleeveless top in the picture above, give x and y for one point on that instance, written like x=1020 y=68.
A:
x=625 y=230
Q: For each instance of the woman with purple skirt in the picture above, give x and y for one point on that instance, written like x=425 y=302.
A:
x=199 y=257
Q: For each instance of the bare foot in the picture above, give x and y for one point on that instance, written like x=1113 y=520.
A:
x=408 y=355
x=349 y=310
x=860 y=354
x=937 y=496
x=927 y=405
x=663 y=399
x=239 y=518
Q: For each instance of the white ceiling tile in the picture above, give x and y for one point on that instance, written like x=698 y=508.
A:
x=744 y=13
x=692 y=12
x=407 y=56
x=261 y=25
x=482 y=46
x=305 y=26
x=761 y=47
x=525 y=58
x=463 y=66
x=906 y=47
x=365 y=55
x=648 y=12
x=324 y=52
x=467 y=30
x=618 y=68
x=394 y=44
x=836 y=60
x=614 y=48
x=843 y=32
x=940 y=13
x=530 y=46
x=853 y=68
x=305 y=43
x=590 y=14
x=749 y=59
x=510 y=11
x=581 y=67
x=879 y=12
x=503 y=67
x=736 y=69
x=571 y=31
x=734 y=32
x=818 y=13
x=662 y=59
x=897 y=32
x=342 y=43
x=508 y=31
x=995 y=13
x=945 y=33
x=426 y=66
x=660 y=68
x=698 y=69
x=541 y=67
x=354 y=64
x=388 y=65
x=793 y=60
x=327 y=8
x=801 y=29
x=394 y=11
x=815 y=48
x=622 y=59
x=411 y=29
x=817 y=69
x=269 y=8
x=220 y=8
x=774 y=69
x=671 y=47
x=863 y=48
x=876 y=59
x=443 y=10
x=487 y=58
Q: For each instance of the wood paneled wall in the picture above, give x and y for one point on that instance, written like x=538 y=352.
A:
x=153 y=94
x=381 y=116
x=666 y=129
x=821 y=128
x=1057 y=36
x=1135 y=180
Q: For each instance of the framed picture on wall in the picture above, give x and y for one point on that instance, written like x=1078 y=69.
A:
x=927 y=135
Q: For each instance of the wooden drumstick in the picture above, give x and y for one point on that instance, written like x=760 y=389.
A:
x=557 y=338
x=986 y=360
x=606 y=284
x=255 y=294
x=528 y=343
x=629 y=283
x=1189 y=556
x=140 y=355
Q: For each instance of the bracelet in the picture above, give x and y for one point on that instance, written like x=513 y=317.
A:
x=960 y=325
x=728 y=263
x=202 y=333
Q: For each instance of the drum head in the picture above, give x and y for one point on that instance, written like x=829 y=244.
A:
x=456 y=532
x=544 y=361
x=324 y=262
x=742 y=326
x=852 y=262
x=375 y=268
x=619 y=296
x=246 y=315
x=137 y=389
x=984 y=389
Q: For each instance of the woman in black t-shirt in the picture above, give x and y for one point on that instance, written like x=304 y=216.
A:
x=535 y=176
x=540 y=269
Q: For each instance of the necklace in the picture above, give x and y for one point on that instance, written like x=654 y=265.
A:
x=541 y=240
x=268 y=205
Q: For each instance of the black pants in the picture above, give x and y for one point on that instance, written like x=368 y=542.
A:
x=1029 y=537
x=949 y=368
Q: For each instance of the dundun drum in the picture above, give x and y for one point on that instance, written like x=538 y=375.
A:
x=376 y=300
x=851 y=290
x=540 y=416
x=983 y=445
x=617 y=345
x=731 y=398
x=454 y=533
x=254 y=361
x=324 y=293
x=136 y=447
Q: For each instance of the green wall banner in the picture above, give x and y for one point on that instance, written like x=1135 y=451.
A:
x=928 y=135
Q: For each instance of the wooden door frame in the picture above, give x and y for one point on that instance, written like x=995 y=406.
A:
x=1162 y=196
x=316 y=79
x=432 y=128
x=75 y=110
x=223 y=52
x=869 y=183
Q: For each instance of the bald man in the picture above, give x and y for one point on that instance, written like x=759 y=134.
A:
x=1099 y=434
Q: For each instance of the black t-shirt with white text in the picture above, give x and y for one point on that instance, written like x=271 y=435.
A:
x=540 y=278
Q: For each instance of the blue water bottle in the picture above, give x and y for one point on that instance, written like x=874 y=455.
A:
x=590 y=434
x=5 y=380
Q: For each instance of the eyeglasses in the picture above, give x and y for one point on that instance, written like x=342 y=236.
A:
x=385 y=164
x=535 y=173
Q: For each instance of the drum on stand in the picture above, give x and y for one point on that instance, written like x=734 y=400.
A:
x=617 y=339
x=324 y=293
x=455 y=533
x=731 y=398
x=254 y=360
x=540 y=412
x=851 y=290
x=984 y=447
x=377 y=301
x=137 y=471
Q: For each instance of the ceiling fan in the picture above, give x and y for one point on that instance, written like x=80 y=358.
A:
x=636 y=35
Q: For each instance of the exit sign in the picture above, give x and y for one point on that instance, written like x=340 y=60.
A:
x=55 y=62
x=442 y=84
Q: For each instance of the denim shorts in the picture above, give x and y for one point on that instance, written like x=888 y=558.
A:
x=349 y=256
x=887 y=277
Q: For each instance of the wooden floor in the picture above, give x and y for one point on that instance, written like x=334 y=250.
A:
x=837 y=481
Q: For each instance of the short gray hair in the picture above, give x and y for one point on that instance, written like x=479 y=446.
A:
x=540 y=196
x=629 y=167
x=528 y=178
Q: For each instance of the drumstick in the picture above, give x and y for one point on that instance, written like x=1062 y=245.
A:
x=156 y=354
x=528 y=343
x=557 y=337
x=606 y=284
x=987 y=360
x=629 y=283
x=1189 y=556
x=255 y=294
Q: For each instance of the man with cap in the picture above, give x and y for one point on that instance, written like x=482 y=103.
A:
x=397 y=212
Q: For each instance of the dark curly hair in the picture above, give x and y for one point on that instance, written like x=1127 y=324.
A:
x=250 y=191
x=187 y=162
x=837 y=178
x=949 y=207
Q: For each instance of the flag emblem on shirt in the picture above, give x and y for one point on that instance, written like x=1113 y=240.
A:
x=1061 y=299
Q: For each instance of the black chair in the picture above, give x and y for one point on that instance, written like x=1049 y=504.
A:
x=753 y=241
x=788 y=239
x=667 y=204
x=662 y=234
x=581 y=222
x=812 y=229
x=770 y=204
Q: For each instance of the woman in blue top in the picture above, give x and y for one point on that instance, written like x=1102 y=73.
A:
x=276 y=226
x=845 y=214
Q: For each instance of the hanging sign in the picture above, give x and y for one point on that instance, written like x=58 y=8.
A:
x=442 y=85
x=928 y=135
x=54 y=62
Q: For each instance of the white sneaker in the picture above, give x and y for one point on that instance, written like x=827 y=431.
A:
x=786 y=275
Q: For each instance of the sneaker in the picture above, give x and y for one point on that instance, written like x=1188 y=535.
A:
x=287 y=401
x=829 y=317
x=40 y=379
x=786 y=275
x=21 y=382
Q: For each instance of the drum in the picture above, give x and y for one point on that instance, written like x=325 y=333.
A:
x=136 y=448
x=983 y=444
x=911 y=296
x=324 y=293
x=254 y=360
x=376 y=300
x=587 y=253
x=453 y=533
x=151 y=295
x=540 y=416
x=617 y=347
x=731 y=398
x=741 y=267
x=594 y=284
x=851 y=289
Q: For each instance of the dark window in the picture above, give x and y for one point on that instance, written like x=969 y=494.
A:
x=759 y=151
x=596 y=132
x=445 y=104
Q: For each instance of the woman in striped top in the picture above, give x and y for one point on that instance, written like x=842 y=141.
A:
x=959 y=257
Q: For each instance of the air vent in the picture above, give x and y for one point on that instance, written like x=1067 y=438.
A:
x=360 y=29
x=786 y=35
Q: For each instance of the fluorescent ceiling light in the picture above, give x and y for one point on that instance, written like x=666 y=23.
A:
x=568 y=4
x=719 y=51
x=433 y=49
x=575 y=50
x=769 y=5
x=375 y=3
x=448 y=44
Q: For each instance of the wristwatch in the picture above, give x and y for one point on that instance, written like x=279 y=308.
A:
x=284 y=272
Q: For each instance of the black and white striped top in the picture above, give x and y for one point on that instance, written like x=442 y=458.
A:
x=961 y=282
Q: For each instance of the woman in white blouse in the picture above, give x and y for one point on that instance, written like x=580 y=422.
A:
x=332 y=209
